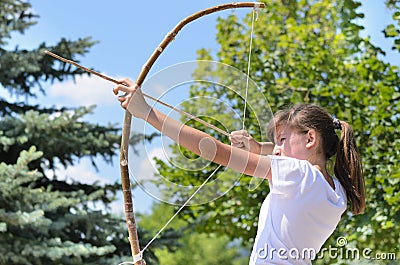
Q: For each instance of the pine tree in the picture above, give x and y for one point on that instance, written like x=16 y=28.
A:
x=43 y=219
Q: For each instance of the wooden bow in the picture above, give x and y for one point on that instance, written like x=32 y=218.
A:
x=129 y=214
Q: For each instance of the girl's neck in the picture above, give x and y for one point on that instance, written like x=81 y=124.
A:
x=320 y=163
x=324 y=172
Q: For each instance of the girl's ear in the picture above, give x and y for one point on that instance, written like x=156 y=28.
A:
x=311 y=138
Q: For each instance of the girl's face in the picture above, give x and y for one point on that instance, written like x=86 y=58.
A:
x=291 y=143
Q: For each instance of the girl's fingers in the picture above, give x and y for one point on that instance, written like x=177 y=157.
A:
x=238 y=141
x=121 y=99
x=127 y=82
x=241 y=132
x=235 y=133
x=126 y=85
x=123 y=88
x=244 y=133
x=124 y=100
x=127 y=96
x=237 y=138
x=125 y=104
x=131 y=92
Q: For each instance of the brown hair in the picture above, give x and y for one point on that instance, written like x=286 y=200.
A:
x=348 y=168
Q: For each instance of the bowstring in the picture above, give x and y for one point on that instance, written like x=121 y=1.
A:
x=139 y=256
x=254 y=17
x=181 y=208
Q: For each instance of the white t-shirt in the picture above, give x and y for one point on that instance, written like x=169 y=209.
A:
x=299 y=214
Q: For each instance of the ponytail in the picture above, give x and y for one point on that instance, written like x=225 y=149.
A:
x=348 y=169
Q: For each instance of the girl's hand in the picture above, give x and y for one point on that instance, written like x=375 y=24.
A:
x=241 y=139
x=133 y=99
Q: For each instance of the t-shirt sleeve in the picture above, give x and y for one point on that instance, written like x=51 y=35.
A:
x=288 y=176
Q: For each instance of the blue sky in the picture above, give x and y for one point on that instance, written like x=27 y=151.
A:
x=128 y=32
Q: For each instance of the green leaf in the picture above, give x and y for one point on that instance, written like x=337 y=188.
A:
x=391 y=31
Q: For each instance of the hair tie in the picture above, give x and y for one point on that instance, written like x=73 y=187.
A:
x=336 y=124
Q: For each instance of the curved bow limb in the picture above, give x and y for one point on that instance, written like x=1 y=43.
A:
x=128 y=204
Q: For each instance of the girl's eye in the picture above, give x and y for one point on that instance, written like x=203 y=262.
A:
x=282 y=139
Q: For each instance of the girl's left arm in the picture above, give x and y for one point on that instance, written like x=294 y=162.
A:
x=192 y=139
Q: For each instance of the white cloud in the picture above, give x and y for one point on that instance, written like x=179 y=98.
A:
x=82 y=172
x=117 y=206
x=147 y=167
x=85 y=90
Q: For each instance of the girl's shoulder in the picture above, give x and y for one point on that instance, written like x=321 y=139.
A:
x=290 y=164
x=287 y=174
x=295 y=176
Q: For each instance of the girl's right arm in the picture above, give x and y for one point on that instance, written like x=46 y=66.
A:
x=192 y=139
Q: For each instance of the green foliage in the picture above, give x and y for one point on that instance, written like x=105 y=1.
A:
x=181 y=245
x=15 y=16
x=21 y=71
x=310 y=51
x=44 y=226
x=203 y=249
x=57 y=135
x=393 y=30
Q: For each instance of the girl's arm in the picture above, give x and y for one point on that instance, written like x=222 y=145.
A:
x=192 y=139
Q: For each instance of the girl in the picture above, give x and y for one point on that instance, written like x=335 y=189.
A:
x=305 y=203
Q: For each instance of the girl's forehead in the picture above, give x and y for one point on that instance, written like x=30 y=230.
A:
x=281 y=129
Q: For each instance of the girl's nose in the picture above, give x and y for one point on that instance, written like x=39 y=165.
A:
x=277 y=151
